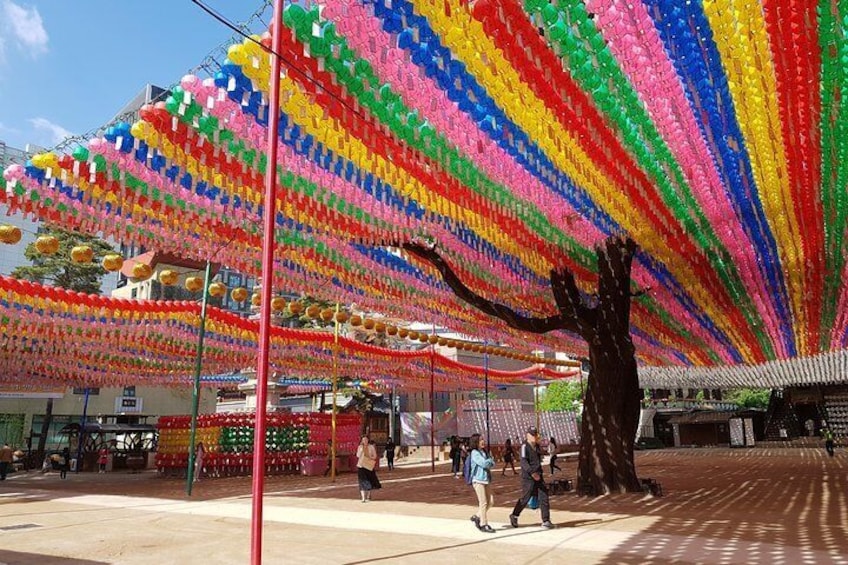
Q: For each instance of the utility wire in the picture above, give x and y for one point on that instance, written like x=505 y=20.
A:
x=289 y=64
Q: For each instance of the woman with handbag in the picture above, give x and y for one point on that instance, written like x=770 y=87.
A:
x=366 y=460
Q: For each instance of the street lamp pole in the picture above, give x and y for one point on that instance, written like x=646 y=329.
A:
x=195 y=391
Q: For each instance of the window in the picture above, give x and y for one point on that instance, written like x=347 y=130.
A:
x=91 y=391
x=129 y=391
x=134 y=293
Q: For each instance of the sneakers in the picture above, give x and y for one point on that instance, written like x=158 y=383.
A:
x=488 y=529
x=548 y=525
x=513 y=521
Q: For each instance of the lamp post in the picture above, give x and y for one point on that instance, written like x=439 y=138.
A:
x=195 y=390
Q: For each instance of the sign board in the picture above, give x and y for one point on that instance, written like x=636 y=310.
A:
x=8 y=392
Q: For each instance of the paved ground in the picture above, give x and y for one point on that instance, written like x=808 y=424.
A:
x=721 y=506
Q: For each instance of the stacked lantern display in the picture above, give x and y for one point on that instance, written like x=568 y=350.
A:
x=228 y=440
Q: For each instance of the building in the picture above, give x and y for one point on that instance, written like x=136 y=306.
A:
x=13 y=255
x=22 y=413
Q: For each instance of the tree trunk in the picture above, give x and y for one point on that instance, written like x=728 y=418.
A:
x=610 y=422
x=45 y=429
x=612 y=403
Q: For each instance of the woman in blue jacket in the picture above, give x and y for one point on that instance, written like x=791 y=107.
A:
x=481 y=478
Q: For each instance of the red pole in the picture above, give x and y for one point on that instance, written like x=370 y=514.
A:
x=432 y=412
x=269 y=217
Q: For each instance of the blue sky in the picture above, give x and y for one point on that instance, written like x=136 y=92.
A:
x=68 y=67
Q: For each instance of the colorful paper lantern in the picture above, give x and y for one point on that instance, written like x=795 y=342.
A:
x=168 y=277
x=194 y=284
x=10 y=234
x=112 y=262
x=82 y=254
x=142 y=271
x=239 y=294
x=47 y=244
x=217 y=289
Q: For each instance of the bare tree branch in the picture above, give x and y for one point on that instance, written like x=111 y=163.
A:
x=508 y=315
x=639 y=293
x=570 y=302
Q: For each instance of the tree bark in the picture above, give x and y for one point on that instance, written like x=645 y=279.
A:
x=612 y=401
x=45 y=430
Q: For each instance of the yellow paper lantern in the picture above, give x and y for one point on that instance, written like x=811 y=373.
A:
x=380 y=328
x=256 y=299
x=217 y=289
x=403 y=332
x=356 y=320
x=47 y=244
x=442 y=342
x=239 y=294
x=295 y=308
x=194 y=284
x=433 y=339
x=142 y=271
x=113 y=262
x=168 y=277
x=82 y=254
x=278 y=304
x=342 y=317
x=327 y=314
x=368 y=324
x=10 y=234
x=313 y=311
x=413 y=335
x=391 y=330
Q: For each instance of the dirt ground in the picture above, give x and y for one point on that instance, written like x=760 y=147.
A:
x=762 y=505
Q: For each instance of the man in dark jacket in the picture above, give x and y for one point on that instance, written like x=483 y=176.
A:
x=531 y=480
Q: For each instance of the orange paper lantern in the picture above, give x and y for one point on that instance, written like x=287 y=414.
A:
x=113 y=262
x=47 y=244
x=82 y=254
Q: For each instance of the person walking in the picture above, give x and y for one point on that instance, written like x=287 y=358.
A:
x=5 y=460
x=481 y=479
x=103 y=458
x=390 y=453
x=455 y=456
x=828 y=441
x=65 y=464
x=508 y=458
x=552 y=451
x=329 y=457
x=199 y=456
x=532 y=482
x=366 y=460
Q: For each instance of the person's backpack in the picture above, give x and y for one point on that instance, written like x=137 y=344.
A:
x=467 y=472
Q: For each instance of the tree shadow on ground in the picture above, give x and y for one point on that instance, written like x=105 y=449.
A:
x=23 y=558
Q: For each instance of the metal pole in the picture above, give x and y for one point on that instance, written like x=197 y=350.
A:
x=486 y=383
x=432 y=411
x=269 y=216
x=392 y=413
x=536 y=400
x=81 y=438
x=195 y=390
x=335 y=390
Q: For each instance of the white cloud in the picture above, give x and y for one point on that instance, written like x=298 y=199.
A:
x=56 y=133
x=24 y=26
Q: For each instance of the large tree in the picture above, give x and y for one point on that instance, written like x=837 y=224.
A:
x=59 y=269
x=612 y=402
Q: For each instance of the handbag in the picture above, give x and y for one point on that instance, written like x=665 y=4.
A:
x=533 y=503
